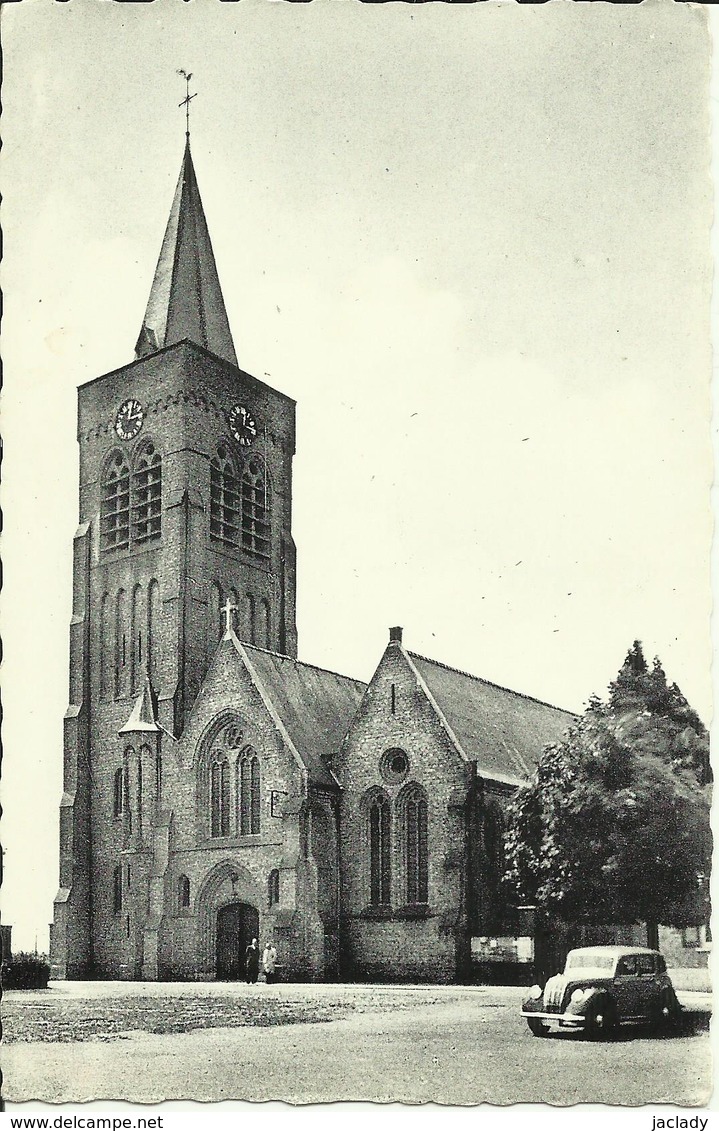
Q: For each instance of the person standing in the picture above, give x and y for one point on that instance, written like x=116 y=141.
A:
x=252 y=962
x=269 y=962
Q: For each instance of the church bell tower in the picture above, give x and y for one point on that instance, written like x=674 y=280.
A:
x=185 y=503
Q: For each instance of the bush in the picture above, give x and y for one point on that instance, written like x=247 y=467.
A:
x=26 y=972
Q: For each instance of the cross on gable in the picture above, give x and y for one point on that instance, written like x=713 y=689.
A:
x=228 y=609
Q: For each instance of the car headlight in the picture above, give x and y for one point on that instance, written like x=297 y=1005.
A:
x=535 y=991
x=578 y=995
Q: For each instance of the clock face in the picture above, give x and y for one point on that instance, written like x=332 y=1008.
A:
x=242 y=425
x=128 y=421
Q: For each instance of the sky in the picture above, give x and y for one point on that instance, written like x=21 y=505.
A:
x=472 y=242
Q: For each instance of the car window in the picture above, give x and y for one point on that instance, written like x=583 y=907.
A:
x=661 y=965
x=627 y=965
x=645 y=964
x=584 y=959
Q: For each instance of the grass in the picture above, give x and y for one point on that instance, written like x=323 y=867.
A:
x=114 y=1018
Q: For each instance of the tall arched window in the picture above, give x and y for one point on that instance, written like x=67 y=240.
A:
x=152 y=643
x=139 y=789
x=183 y=893
x=118 y=804
x=494 y=841
x=127 y=771
x=263 y=635
x=220 y=796
x=249 y=792
x=105 y=646
x=249 y=617
x=377 y=809
x=224 y=500
x=117 y=889
x=120 y=643
x=137 y=635
x=147 y=495
x=412 y=807
x=115 y=505
x=234 y=602
x=273 y=888
x=255 y=509
x=232 y=778
x=214 y=618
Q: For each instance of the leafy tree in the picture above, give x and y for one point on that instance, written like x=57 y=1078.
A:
x=614 y=828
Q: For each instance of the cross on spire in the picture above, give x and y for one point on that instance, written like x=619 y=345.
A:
x=228 y=609
x=187 y=99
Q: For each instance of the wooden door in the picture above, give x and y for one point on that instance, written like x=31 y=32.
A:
x=237 y=925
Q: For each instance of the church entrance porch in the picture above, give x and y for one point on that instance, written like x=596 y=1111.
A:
x=237 y=925
x=227 y=919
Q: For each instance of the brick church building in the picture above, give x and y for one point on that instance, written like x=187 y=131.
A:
x=217 y=788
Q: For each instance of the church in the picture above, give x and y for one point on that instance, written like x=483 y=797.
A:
x=216 y=788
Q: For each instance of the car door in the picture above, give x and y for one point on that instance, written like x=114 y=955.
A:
x=625 y=987
x=648 y=985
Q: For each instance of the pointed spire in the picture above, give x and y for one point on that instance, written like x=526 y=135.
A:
x=143 y=717
x=186 y=299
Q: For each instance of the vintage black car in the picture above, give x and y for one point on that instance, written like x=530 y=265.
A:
x=601 y=988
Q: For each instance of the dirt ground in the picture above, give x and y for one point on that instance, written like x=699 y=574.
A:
x=212 y=1041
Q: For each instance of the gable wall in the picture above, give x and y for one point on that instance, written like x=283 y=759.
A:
x=187 y=939
x=403 y=944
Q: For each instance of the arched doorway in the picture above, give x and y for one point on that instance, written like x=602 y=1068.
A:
x=237 y=925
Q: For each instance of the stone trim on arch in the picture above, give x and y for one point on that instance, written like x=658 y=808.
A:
x=210 y=732
x=226 y=882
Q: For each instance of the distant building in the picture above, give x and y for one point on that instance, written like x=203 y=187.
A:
x=216 y=787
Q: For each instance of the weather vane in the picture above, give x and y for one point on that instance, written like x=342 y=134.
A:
x=186 y=101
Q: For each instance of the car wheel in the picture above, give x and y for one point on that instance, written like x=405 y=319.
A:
x=668 y=1011
x=538 y=1027
x=601 y=1019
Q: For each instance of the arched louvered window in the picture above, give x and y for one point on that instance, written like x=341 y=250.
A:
x=255 y=509
x=117 y=889
x=273 y=888
x=118 y=804
x=412 y=806
x=220 y=808
x=249 y=791
x=224 y=500
x=378 y=817
x=183 y=893
x=147 y=495
x=115 y=505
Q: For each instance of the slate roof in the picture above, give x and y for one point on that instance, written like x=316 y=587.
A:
x=186 y=298
x=502 y=730
x=315 y=706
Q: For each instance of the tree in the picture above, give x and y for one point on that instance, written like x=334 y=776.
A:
x=614 y=827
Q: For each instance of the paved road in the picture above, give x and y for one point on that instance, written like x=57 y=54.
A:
x=460 y=1045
